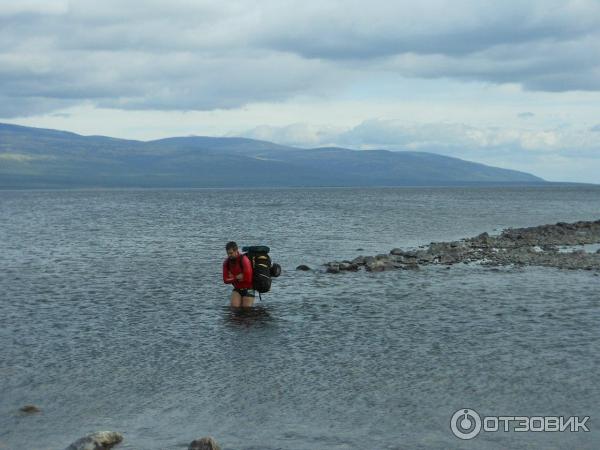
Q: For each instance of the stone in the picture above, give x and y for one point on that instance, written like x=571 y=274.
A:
x=101 y=440
x=424 y=257
x=379 y=266
x=348 y=266
x=303 y=267
x=333 y=268
x=30 y=409
x=549 y=248
x=205 y=443
x=359 y=261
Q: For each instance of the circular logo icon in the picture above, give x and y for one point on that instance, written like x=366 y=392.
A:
x=465 y=423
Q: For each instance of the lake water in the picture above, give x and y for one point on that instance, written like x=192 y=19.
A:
x=114 y=316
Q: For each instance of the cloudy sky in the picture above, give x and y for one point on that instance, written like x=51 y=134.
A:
x=514 y=84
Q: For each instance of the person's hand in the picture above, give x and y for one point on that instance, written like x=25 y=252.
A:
x=240 y=277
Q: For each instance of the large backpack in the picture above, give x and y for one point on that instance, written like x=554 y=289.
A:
x=261 y=267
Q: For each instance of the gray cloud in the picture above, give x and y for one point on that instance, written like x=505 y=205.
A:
x=449 y=138
x=595 y=128
x=434 y=27
x=526 y=115
x=205 y=55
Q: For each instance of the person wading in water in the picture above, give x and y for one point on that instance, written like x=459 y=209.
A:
x=237 y=270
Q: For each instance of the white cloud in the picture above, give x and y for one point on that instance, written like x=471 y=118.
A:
x=557 y=154
x=297 y=135
x=393 y=134
x=9 y=8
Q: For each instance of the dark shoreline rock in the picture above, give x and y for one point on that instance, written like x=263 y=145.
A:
x=30 y=409
x=101 y=440
x=205 y=443
x=531 y=246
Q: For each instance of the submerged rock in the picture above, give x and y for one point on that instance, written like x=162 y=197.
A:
x=303 y=267
x=101 y=440
x=205 y=443
x=30 y=409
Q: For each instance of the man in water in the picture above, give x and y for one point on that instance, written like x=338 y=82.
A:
x=237 y=270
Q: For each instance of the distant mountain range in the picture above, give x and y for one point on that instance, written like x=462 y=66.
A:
x=41 y=158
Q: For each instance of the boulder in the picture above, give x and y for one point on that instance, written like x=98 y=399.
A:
x=30 y=409
x=405 y=253
x=549 y=248
x=359 y=261
x=379 y=266
x=333 y=267
x=205 y=443
x=368 y=260
x=101 y=440
x=424 y=257
x=348 y=266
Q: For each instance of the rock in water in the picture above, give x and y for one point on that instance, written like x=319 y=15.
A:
x=30 y=409
x=100 y=440
x=348 y=266
x=205 y=443
x=333 y=267
x=303 y=267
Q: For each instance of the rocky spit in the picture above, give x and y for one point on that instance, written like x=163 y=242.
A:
x=533 y=246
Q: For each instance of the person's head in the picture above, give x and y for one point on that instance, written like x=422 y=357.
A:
x=232 y=250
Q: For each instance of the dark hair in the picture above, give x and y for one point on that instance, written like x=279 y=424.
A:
x=231 y=246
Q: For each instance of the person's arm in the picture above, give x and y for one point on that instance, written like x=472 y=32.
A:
x=227 y=277
x=247 y=269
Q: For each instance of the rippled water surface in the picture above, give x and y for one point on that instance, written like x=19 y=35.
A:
x=114 y=316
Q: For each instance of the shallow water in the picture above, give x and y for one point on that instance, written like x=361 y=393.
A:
x=114 y=316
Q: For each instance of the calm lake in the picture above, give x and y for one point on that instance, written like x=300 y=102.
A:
x=113 y=315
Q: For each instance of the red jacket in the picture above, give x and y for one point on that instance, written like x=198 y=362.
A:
x=236 y=267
